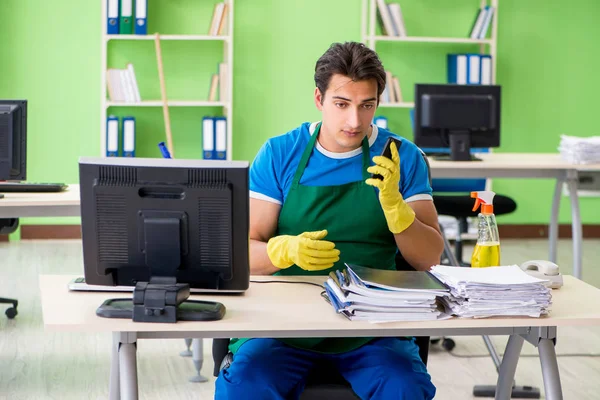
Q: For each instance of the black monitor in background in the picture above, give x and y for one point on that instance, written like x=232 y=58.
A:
x=163 y=226
x=458 y=117
x=13 y=140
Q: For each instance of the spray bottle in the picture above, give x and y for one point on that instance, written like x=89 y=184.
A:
x=487 y=249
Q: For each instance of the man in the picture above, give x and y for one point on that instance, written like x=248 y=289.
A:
x=313 y=206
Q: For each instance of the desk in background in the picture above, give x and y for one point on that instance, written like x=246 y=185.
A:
x=27 y=204
x=282 y=310
x=528 y=165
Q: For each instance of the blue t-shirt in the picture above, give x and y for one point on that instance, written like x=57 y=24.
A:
x=273 y=169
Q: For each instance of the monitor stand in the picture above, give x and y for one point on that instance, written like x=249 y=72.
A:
x=161 y=300
x=460 y=147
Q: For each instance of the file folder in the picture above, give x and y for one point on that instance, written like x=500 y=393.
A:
x=112 y=17
x=125 y=25
x=112 y=136
x=381 y=122
x=486 y=70
x=221 y=138
x=473 y=68
x=208 y=138
x=141 y=12
x=128 y=137
x=457 y=69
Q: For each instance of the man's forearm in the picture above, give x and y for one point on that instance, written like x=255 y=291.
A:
x=420 y=245
x=260 y=264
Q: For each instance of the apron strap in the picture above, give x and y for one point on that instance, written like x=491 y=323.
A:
x=366 y=160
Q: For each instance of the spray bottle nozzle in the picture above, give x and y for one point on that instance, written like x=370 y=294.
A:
x=484 y=199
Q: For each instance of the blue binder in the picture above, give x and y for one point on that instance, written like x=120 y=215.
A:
x=457 y=68
x=112 y=136
x=220 y=138
x=128 y=137
x=208 y=138
x=381 y=122
x=464 y=69
x=112 y=17
x=141 y=17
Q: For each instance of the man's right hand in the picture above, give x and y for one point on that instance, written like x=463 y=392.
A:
x=307 y=250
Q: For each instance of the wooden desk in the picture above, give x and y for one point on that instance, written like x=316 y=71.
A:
x=60 y=204
x=528 y=165
x=295 y=310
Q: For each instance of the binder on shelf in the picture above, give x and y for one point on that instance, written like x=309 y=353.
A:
x=457 y=69
x=214 y=82
x=128 y=137
x=112 y=17
x=216 y=19
x=477 y=25
x=386 y=19
x=474 y=61
x=486 y=69
x=381 y=122
x=208 y=138
x=125 y=25
x=220 y=138
x=136 y=89
x=397 y=19
x=141 y=13
x=112 y=136
x=489 y=13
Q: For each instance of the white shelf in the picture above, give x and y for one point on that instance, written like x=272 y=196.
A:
x=227 y=57
x=166 y=37
x=424 y=39
x=170 y=103
x=397 y=105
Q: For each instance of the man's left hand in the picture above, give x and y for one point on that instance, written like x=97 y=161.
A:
x=398 y=214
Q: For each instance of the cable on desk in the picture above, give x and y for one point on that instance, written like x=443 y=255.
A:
x=301 y=282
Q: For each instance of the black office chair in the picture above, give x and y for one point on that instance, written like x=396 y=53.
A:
x=7 y=226
x=460 y=206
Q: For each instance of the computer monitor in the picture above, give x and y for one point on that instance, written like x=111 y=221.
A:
x=13 y=140
x=458 y=117
x=163 y=226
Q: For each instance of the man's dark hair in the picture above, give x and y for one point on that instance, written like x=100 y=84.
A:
x=351 y=59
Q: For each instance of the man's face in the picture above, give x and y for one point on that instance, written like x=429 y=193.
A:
x=348 y=108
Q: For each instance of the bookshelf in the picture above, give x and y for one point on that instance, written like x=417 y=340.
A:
x=369 y=23
x=106 y=104
x=168 y=37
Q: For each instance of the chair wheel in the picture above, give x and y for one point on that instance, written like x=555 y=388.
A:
x=11 y=312
x=448 y=344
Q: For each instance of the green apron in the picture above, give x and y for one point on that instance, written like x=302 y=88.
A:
x=355 y=222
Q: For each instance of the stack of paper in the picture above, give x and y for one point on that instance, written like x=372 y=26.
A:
x=493 y=291
x=578 y=150
x=367 y=294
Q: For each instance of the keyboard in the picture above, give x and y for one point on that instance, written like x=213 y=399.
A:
x=31 y=187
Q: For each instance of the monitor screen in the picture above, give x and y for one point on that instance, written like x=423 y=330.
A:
x=13 y=140
x=457 y=117
x=187 y=219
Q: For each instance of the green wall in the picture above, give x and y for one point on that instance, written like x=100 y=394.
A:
x=51 y=56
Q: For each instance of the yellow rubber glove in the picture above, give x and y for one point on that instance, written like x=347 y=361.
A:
x=398 y=214
x=306 y=250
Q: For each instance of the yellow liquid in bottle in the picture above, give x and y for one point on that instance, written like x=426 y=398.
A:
x=486 y=255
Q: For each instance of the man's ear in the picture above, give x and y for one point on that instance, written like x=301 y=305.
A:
x=319 y=99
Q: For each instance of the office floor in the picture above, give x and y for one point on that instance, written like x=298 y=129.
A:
x=39 y=365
